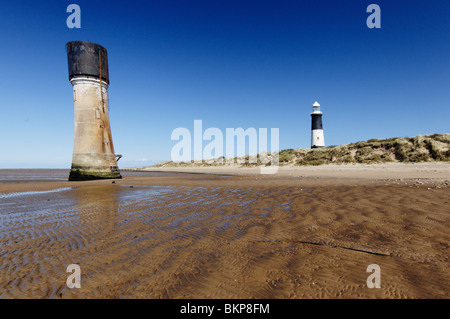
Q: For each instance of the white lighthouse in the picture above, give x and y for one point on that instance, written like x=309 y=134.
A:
x=317 y=139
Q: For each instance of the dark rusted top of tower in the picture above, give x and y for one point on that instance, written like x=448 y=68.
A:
x=87 y=59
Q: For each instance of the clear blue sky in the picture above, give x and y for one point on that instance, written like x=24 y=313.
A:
x=234 y=63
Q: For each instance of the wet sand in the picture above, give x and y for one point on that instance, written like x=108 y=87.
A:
x=297 y=234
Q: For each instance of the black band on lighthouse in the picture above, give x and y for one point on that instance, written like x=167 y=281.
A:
x=316 y=123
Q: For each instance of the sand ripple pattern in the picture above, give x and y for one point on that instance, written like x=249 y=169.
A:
x=223 y=242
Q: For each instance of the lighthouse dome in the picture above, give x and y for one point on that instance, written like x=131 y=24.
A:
x=316 y=104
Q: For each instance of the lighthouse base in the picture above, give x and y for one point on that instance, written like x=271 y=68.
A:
x=317 y=139
x=78 y=173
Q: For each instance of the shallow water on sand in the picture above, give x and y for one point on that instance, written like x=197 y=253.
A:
x=75 y=225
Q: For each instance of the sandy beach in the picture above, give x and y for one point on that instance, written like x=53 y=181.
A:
x=221 y=232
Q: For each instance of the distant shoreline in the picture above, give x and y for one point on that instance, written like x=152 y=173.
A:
x=436 y=174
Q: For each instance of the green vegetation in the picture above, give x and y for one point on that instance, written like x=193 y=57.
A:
x=81 y=175
x=422 y=148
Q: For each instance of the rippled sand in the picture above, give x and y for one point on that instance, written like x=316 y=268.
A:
x=200 y=236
